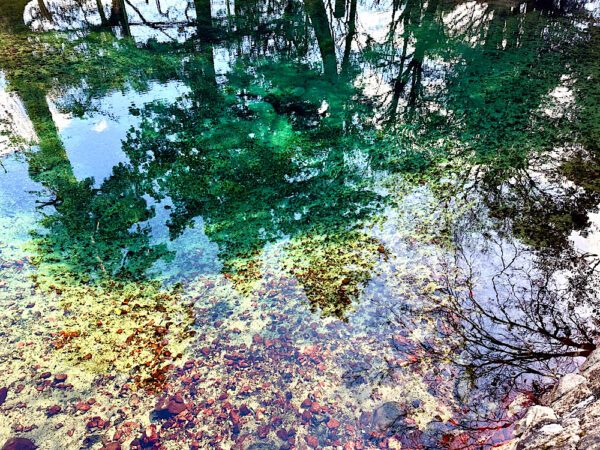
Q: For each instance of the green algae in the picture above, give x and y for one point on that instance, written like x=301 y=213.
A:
x=137 y=329
x=333 y=270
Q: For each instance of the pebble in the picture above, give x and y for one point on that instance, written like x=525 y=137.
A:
x=262 y=431
x=82 y=406
x=312 y=441
x=55 y=409
x=333 y=423
x=315 y=408
x=282 y=434
x=171 y=405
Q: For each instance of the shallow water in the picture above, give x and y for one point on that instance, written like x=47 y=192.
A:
x=293 y=224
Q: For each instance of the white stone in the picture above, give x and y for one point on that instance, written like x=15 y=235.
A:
x=567 y=383
x=592 y=360
x=516 y=406
x=534 y=415
x=553 y=428
x=589 y=369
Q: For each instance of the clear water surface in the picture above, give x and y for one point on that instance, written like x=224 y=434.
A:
x=261 y=224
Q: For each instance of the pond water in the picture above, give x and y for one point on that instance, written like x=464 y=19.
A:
x=262 y=224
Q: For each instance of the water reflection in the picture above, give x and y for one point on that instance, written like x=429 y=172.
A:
x=393 y=190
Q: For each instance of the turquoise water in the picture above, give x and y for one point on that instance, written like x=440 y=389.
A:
x=294 y=224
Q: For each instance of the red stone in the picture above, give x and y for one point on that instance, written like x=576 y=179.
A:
x=189 y=364
x=45 y=375
x=306 y=416
x=60 y=378
x=55 y=409
x=315 y=408
x=306 y=403
x=262 y=431
x=312 y=441
x=171 y=405
x=81 y=406
x=282 y=434
x=150 y=434
x=333 y=423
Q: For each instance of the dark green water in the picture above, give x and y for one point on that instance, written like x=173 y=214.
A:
x=346 y=224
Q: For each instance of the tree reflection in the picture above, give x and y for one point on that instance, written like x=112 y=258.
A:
x=277 y=148
x=535 y=316
x=272 y=168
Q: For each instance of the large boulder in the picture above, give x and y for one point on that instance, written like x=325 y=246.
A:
x=535 y=415
x=592 y=360
x=388 y=416
x=19 y=444
x=567 y=384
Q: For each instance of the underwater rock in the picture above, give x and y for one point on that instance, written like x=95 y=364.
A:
x=263 y=446
x=3 y=394
x=19 y=444
x=312 y=441
x=315 y=408
x=53 y=410
x=386 y=416
x=170 y=406
x=333 y=424
x=150 y=436
x=262 y=431
x=282 y=434
x=366 y=419
x=112 y=446
x=244 y=410
x=82 y=406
